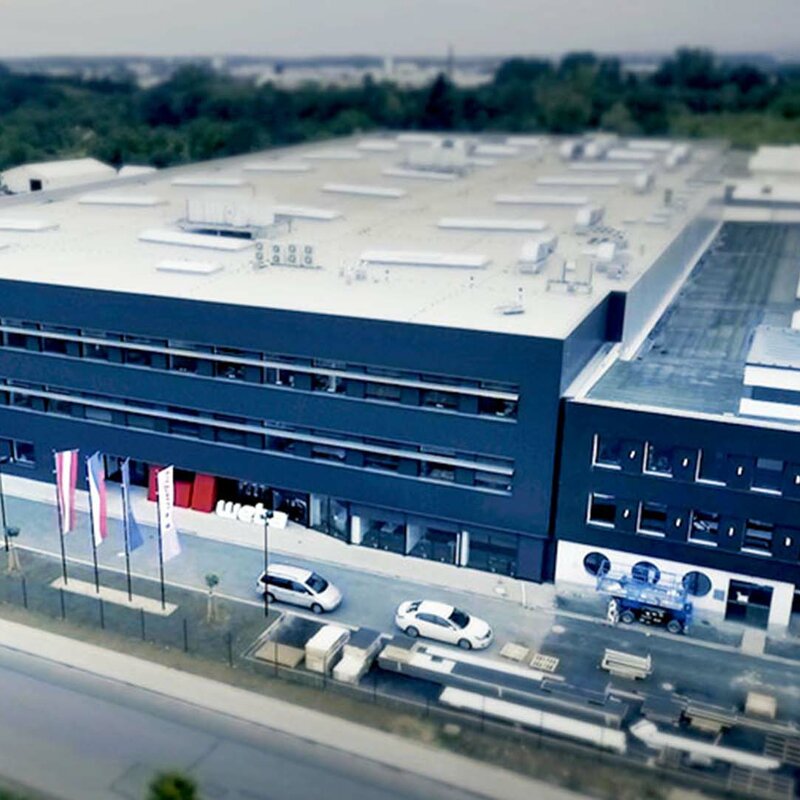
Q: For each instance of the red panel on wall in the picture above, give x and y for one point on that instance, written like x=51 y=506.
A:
x=183 y=494
x=204 y=496
x=152 y=491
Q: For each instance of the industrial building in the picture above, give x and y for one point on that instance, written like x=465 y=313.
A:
x=539 y=358
x=683 y=461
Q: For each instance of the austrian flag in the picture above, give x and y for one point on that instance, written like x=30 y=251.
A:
x=66 y=481
x=98 y=503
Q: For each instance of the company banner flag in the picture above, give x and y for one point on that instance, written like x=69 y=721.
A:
x=98 y=499
x=66 y=482
x=170 y=544
x=135 y=538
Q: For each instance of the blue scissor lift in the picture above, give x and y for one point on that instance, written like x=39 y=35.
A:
x=636 y=596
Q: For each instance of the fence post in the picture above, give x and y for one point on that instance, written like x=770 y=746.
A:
x=24 y=592
x=185 y=636
x=102 y=613
x=63 y=604
x=229 y=638
x=141 y=623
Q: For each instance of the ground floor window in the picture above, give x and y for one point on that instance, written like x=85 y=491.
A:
x=381 y=530
x=433 y=543
x=493 y=552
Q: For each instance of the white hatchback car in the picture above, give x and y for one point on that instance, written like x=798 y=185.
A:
x=298 y=586
x=444 y=623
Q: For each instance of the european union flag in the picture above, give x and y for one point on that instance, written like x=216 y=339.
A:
x=135 y=538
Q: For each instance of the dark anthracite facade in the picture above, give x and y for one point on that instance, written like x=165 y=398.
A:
x=723 y=475
x=395 y=435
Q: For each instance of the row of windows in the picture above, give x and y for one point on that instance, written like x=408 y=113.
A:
x=437 y=392
x=19 y=452
x=701 y=527
x=767 y=475
x=482 y=472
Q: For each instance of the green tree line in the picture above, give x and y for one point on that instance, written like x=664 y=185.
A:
x=199 y=114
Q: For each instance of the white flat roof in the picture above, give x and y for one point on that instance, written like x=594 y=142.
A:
x=463 y=275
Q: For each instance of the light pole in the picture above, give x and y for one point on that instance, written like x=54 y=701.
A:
x=3 y=521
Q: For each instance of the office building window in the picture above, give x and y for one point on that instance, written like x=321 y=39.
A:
x=697 y=584
x=596 y=564
x=712 y=467
x=645 y=572
x=497 y=407
x=658 y=460
x=607 y=452
x=602 y=510
x=768 y=475
x=437 y=472
x=704 y=528
x=493 y=552
x=758 y=537
x=383 y=391
x=433 y=398
x=23 y=453
x=653 y=518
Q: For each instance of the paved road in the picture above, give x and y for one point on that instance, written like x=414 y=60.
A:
x=370 y=600
x=79 y=737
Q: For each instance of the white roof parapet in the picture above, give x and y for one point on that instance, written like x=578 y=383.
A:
x=189 y=267
x=600 y=181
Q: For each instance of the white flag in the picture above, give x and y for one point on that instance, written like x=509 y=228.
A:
x=168 y=533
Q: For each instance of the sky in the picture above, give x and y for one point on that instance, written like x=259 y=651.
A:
x=392 y=27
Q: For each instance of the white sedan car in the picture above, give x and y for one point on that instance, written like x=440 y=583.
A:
x=444 y=623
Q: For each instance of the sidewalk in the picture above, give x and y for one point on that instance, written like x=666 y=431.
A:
x=473 y=777
x=305 y=543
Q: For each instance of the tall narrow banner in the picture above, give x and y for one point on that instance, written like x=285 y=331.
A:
x=98 y=499
x=170 y=544
x=66 y=482
x=135 y=538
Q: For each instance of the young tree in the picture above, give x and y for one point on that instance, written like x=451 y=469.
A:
x=212 y=581
x=173 y=786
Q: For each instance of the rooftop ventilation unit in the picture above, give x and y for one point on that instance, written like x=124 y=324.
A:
x=418 y=174
x=182 y=239
x=417 y=138
x=277 y=166
x=658 y=145
x=363 y=190
x=607 y=257
x=492 y=224
x=444 y=155
x=588 y=217
x=643 y=182
x=526 y=141
x=228 y=218
x=302 y=256
x=567 y=151
x=423 y=259
x=27 y=225
x=189 y=267
x=542 y=199
x=535 y=253
x=130 y=200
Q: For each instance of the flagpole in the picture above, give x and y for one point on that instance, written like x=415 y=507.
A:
x=94 y=543
x=266 y=564
x=60 y=528
x=161 y=553
x=125 y=501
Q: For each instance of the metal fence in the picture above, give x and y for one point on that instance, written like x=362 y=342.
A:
x=232 y=638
